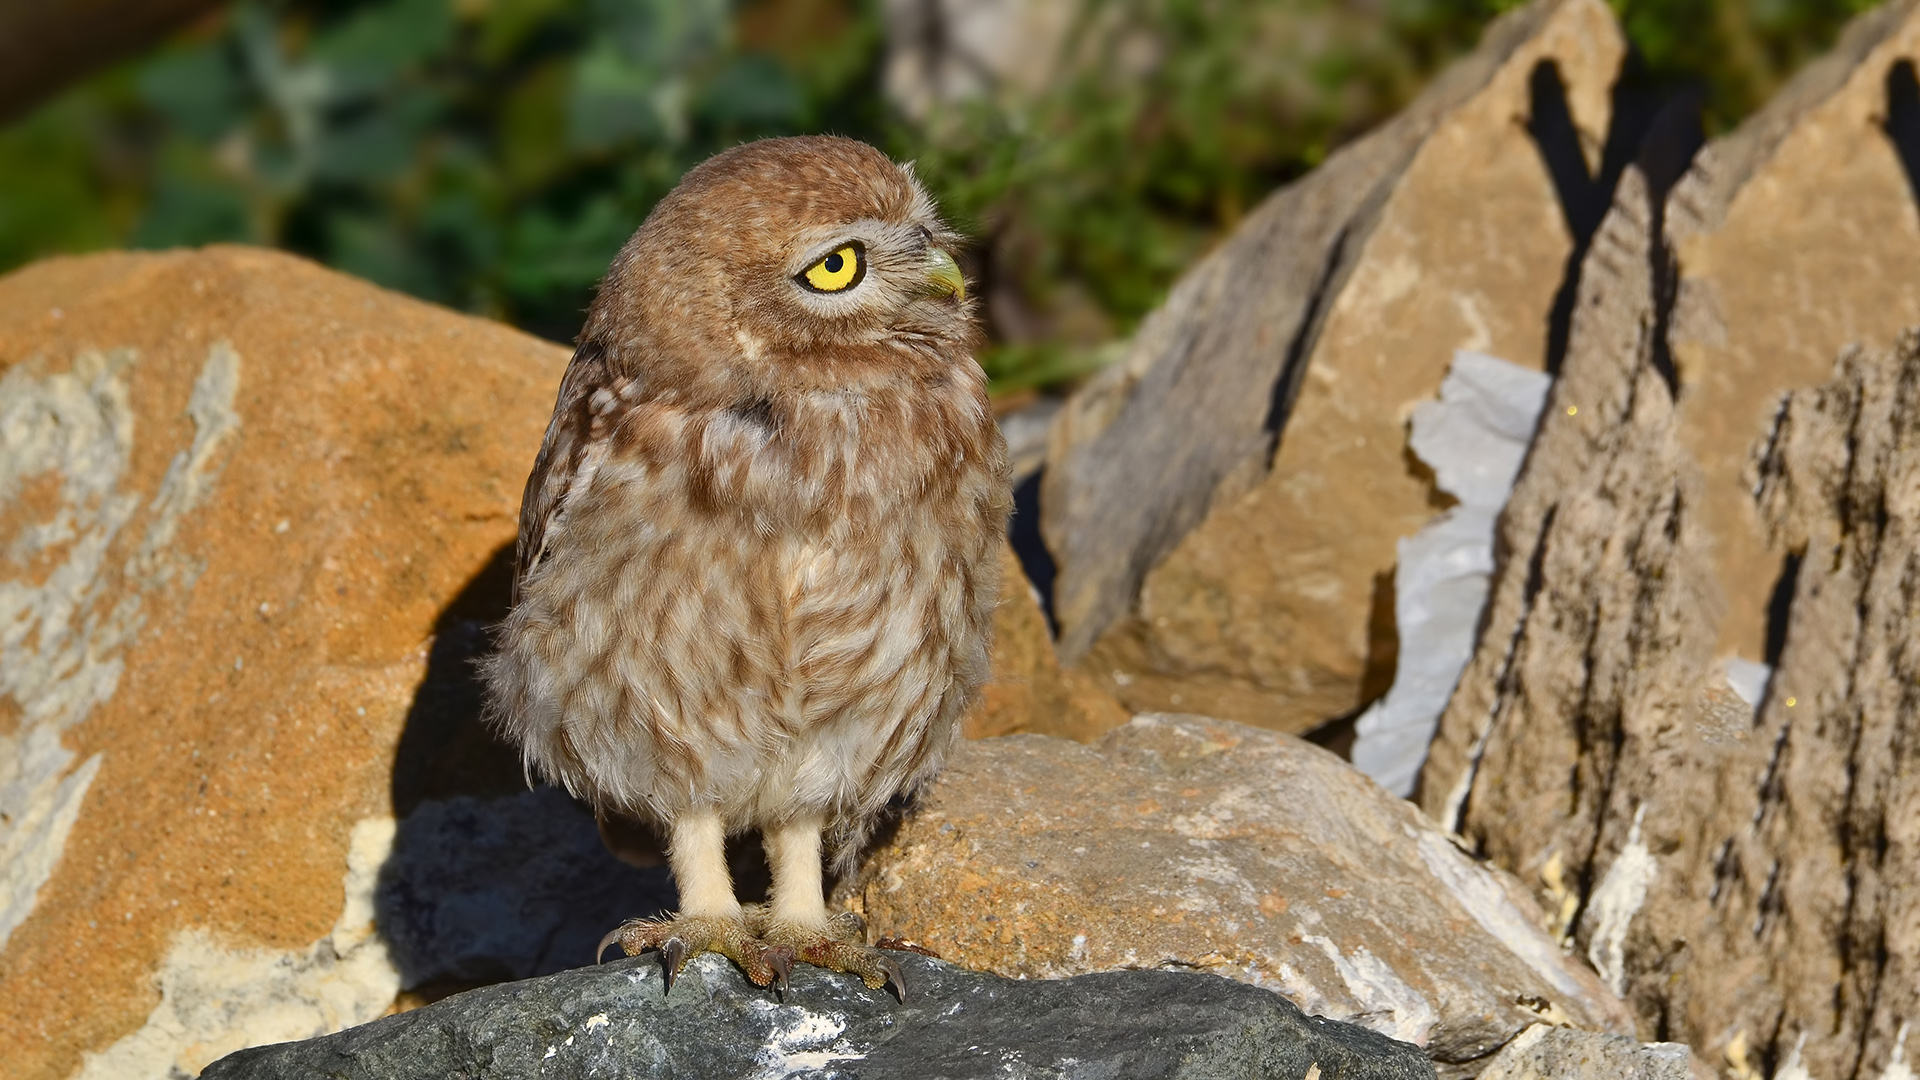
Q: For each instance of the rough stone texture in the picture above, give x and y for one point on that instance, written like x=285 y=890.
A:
x=1726 y=857
x=256 y=517
x=1320 y=324
x=1029 y=690
x=615 y=1021
x=1793 y=239
x=231 y=522
x=1549 y=1053
x=1193 y=843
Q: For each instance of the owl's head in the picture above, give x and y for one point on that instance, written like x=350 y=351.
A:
x=788 y=258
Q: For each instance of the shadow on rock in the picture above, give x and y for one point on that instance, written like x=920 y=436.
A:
x=488 y=881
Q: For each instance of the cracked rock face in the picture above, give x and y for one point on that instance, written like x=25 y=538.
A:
x=1192 y=843
x=1223 y=503
x=955 y=1025
x=1690 y=722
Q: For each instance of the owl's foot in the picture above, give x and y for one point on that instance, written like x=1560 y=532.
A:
x=837 y=948
x=679 y=940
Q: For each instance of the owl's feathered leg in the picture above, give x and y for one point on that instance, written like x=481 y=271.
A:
x=710 y=917
x=795 y=916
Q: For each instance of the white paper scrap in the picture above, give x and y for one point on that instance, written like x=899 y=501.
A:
x=1474 y=439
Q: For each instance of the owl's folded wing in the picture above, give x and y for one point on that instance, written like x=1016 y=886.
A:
x=554 y=471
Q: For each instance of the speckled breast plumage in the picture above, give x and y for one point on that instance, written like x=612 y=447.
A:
x=770 y=609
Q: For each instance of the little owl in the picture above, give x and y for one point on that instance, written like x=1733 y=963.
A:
x=757 y=560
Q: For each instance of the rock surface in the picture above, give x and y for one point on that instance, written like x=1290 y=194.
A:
x=1731 y=845
x=1269 y=395
x=1193 y=843
x=231 y=524
x=955 y=1024
x=1549 y=1053
x=1030 y=692
x=256 y=517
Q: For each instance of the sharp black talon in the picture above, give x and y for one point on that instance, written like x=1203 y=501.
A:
x=780 y=959
x=894 y=973
x=612 y=936
x=673 y=954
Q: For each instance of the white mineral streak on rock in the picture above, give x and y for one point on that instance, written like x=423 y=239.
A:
x=1793 y=1068
x=1617 y=901
x=1491 y=907
x=1474 y=438
x=1897 y=1067
x=216 y=998
x=801 y=1042
x=60 y=642
x=1387 y=1004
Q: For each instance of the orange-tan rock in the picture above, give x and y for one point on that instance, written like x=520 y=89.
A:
x=256 y=518
x=1030 y=692
x=1192 y=843
x=239 y=491
x=1224 y=505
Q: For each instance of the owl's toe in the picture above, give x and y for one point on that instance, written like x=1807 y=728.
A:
x=680 y=939
x=829 y=949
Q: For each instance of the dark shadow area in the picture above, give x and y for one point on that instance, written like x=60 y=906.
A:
x=444 y=749
x=1383 y=641
x=1338 y=734
x=1903 y=120
x=1286 y=388
x=1023 y=532
x=487 y=880
x=1672 y=141
x=1376 y=678
x=1780 y=607
x=1638 y=107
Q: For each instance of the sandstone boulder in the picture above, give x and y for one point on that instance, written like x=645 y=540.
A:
x=1223 y=504
x=1188 y=843
x=238 y=493
x=1684 y=725
x=1030 y=692
x=257 y=518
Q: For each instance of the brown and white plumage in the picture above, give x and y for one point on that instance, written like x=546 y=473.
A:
x=757 y=557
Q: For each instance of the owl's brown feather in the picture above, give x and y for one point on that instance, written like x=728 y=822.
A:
x=758 y=551
x=569 y=433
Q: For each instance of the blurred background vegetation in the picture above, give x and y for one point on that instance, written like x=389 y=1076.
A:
x=493 y=154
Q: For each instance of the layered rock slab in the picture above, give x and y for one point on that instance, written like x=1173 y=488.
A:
x=955 y=1024
x=1223 y=504
x=1194 y=843
x=1722 y=839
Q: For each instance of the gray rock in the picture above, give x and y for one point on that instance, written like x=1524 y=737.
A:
x=614 y=1021
x=1544 y=1053
x=484 y=890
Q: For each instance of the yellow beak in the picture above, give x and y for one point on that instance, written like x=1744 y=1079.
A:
x=943 y=275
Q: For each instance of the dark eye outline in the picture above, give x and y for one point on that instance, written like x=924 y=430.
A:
x=859 y=269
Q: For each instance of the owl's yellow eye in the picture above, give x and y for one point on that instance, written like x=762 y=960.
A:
x=838 y=272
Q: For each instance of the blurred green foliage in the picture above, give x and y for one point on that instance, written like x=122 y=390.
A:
x=493 y=154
